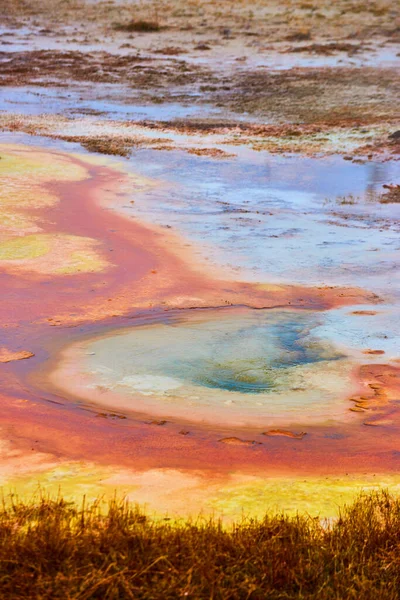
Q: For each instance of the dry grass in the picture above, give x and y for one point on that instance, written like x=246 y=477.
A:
x=54 y=550
x=108 y=145
x=139 y=26
x=392 y=196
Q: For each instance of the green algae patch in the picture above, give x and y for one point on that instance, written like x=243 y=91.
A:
x=24 y=248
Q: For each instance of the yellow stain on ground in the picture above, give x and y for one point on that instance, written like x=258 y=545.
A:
x=269 y=287
x=26 y=173
x=57 y=254
x=23 y=248
x=181 y=494
x=12 y=223
x=316 y=496
x=17 y=464
x=24 y=194
x=25 y=162
x=87 y=261
x=158 y=491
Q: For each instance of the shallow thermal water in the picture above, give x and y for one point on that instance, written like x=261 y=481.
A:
x=283 y=219
x=264 y=218
x=256 y=218
x=95 y=100
x=237 y=367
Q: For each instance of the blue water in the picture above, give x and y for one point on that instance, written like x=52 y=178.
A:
x=273 y=218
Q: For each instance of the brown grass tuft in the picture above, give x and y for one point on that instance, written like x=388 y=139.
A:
x=139 y=26
x=53 y=549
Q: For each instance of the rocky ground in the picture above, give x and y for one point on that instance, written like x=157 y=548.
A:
x=283 y=76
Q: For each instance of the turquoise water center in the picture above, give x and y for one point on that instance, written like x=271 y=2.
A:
x=228 y=366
